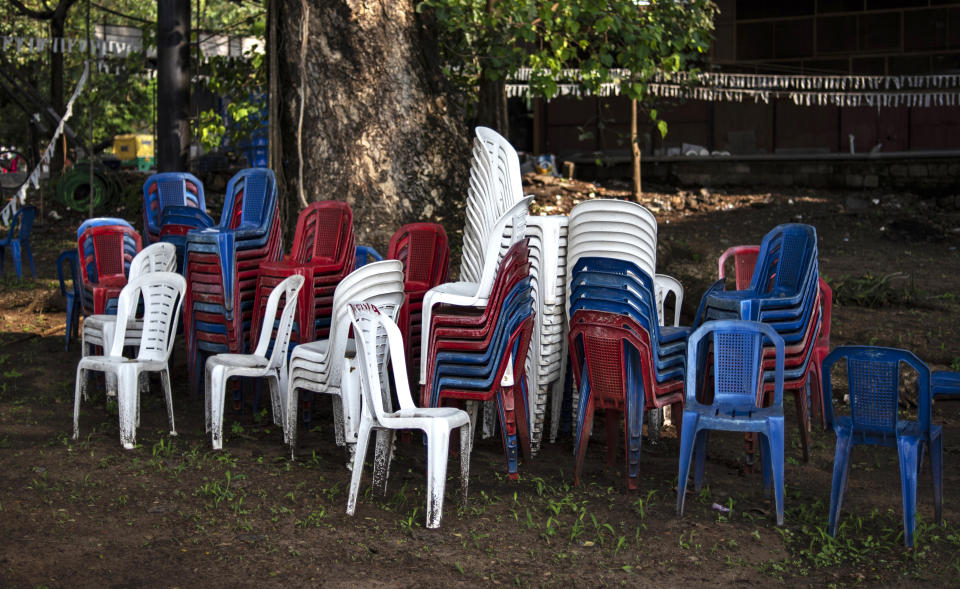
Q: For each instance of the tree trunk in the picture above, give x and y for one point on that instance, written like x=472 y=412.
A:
x=492 y=106
x=635 y=150
x=377 y=130
x=173 y=85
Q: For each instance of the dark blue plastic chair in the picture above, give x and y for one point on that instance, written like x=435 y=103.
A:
x=18 y=239
x=71 y=294
x=366 y=253
x=164 y=190
x=945 y=385
x=736 y=400
x=873 y=378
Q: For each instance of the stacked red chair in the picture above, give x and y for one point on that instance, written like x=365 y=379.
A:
x=222 y=264
x=105 y=248
x=323 y=253
x=479 y=353
x=425 y=253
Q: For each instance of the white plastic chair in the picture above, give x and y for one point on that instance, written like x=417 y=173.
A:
x=370 y=329
x=162 y=294
x=221 y=367
x=98 y=329
x=318 y=366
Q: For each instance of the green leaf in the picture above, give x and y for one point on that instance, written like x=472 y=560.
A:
x=662 y=127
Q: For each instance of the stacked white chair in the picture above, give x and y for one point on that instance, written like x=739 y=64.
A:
x=626 y=231
x=548 y=345
x=162 y=294
x=318 y=366
x=378 y=340
x=221 y=367
x=98 y=329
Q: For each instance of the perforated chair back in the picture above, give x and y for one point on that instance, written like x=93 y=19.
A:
x=324 y=233
x=158 y=257
x=162 y=294
x=250 y=198
x=425 y=253
x=378 y=340
x=288 y=289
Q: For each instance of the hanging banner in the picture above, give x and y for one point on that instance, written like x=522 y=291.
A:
x=10 y=209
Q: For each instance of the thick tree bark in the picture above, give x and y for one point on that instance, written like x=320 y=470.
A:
x=377 y=129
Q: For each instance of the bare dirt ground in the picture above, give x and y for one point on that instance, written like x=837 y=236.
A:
x=172 y=513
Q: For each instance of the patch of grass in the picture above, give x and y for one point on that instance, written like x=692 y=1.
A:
x=872 y=290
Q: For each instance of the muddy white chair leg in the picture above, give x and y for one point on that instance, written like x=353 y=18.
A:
x=363 y=437
x=438 y=444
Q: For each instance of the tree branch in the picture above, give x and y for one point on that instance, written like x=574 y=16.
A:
x=27 y=11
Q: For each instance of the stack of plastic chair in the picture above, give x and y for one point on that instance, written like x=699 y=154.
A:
x=478 y=353
x=323 y=253
x=168 y=189
x=378 y=340
x=105 y=248
x=317 y=367
x=72 y=293
x=873 y=381
x=222 y=265
x=729 y=353
x=162 y=294
x=744 y=260
x=176 y=222
x=98 y=329
x=18 y=240
x=546 y=360
x=425 y=254
x=784 y=292
x=268 y=360
x=623 y=360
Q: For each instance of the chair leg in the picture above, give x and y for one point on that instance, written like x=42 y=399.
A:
x=909 y=451
x=611 y=418
x=29 y=253
x=382 y=455
x=700 y=457
x=127 y=405
x=584 y=426
x=276 y=385
x=363 y=436
x=216 y=391
x=936 y=472
x=79 y=390
x=690 y=420
x=775 y=442
x=15 y=254
x=841 y=472
x=633 y=437
x=168 y=395
x=508 y=429
x=438 y=442
x=466 y=446
x=803 y=421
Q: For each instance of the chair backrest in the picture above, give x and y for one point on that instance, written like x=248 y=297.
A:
x=107 y=251
x=737 y=368
x=324 y=233
x=69 y=258
x=425 y=253
x=102 y=222
x=786 y=253
x=873 y=380
x=744 y=260
x=378 y=339
x=602 y=341
x=250 y=198
x=169 y=189
x=288 y=289
x=158 y=257
x=22 y=223
x=162 y=294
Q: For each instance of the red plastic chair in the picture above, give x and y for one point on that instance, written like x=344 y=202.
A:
x=425 y=253
x=821 y=350
x=323 y=253
x=600 y=343
x=744 y=259
x=110 y=260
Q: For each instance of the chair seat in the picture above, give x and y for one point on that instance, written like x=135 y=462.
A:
x=238 y=361
x=455 y=417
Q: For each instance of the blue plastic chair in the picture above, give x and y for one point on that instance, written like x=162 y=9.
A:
x=168 y=189
x=18 y=239
x=737 y=351
x=72 y=294
x=873 y=378
x=945 y=384
x=364 y=253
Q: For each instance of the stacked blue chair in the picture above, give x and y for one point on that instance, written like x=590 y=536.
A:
x=18 y=240
x=481 y=356
x=614 y=330
x=729 y=353
x=105 y=248
x=168 y=189
x=221 y=267
x=176 y=222
x=784 y=293
x=873 y=381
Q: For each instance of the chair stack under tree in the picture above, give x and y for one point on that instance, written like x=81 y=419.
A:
x=479 y=353
x=623 y=361
x=222 y=265
x=423 y=250
x=18 y=240
x=873 y=385
x=784 y=293
x=105 y=248
x=318 y=367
